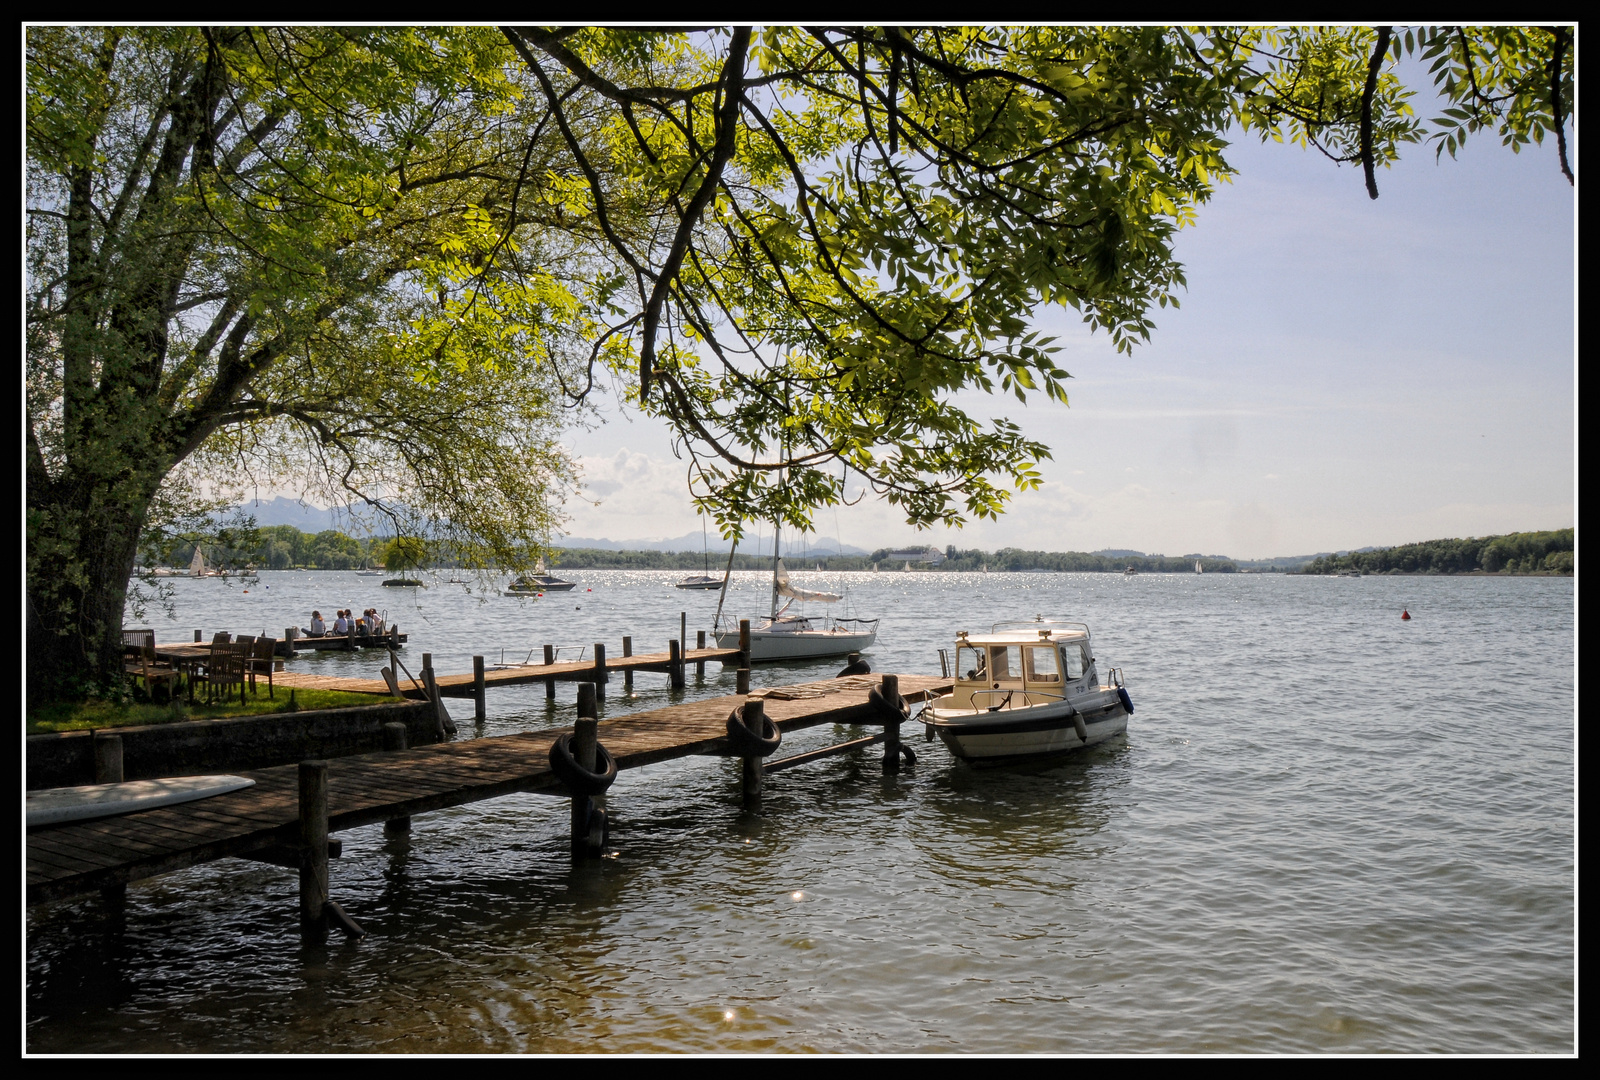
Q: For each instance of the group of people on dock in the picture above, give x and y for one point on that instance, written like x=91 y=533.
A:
x=370 y=622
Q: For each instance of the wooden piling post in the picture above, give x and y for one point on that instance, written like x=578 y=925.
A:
x=683 y=628
x=675 y=654
x=627 y=676
x=754 y=716
x=585 y=737
x=891 y=728
x=741 y=681
x=197 y=636
x=107 y=758
x=744 y=643
x=313 y=851
x=700 y=666
x=430 y=684
x=108 y=770
x=480 y=691
x=600 y=670
x=394 y=738
x=549 y=684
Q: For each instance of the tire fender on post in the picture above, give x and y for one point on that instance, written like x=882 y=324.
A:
x=744 y=743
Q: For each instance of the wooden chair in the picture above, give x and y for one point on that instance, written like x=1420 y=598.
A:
x=144 y=665
x=225 y=669
x=263 y=658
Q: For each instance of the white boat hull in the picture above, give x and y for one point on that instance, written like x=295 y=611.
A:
x=1037 y=731
x=799 y=644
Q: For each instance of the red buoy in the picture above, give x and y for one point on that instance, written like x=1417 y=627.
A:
x=1404 y=614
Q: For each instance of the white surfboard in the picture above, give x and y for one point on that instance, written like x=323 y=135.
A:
x=49 y=806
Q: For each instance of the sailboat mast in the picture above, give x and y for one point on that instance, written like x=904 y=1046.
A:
x=776 y=531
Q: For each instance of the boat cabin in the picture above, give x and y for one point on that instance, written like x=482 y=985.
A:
x=1013 y=668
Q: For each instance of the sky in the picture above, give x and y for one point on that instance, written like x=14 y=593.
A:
x=1342 y=373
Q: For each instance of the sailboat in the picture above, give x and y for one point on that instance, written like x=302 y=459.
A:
x=702 y=580
x=197 y=566
x=1197 y=567
x=782 y=636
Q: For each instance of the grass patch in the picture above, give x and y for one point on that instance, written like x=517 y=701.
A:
x=84 y=715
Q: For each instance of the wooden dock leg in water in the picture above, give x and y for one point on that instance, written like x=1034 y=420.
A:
x=675 y=654
x=313 y=851
x=741 y=681
x=744 y=643
x=754 y=719
x=585 y=737
x=480 y=691
x=700 y=666
x=394 y=738
x=891 y=728
x=627 y=676
x=549 y=684
x=599 y=673
x=108 y=770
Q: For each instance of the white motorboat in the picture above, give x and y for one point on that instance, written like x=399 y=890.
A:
x=785 y=636
x=1027 y=690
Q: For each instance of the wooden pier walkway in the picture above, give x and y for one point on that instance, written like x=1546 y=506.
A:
x=266 y=821
x=465 y=686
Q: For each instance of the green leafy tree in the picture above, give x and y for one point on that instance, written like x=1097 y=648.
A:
x=403 y=553
x=237 y=240
x=385 y=260
x=851 y=226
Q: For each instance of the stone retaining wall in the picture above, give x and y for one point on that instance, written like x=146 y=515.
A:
x=196 y=747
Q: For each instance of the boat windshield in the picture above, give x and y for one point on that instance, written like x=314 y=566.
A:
x=972 y=664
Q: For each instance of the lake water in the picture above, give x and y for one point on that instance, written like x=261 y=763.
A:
x=1327 y=830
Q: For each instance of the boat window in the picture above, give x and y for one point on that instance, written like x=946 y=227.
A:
x=1005 y=662
x=971 y=664
x=1041 y=661
x=1073 y=655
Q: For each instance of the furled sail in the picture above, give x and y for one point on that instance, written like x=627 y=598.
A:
x=780 y=585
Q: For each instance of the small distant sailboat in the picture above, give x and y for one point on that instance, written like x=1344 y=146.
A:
x=1197 y=567
x=704 y=580
x=197 y=566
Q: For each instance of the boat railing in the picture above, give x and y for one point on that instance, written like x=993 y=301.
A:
x=1011 y=692
x=1037 y=623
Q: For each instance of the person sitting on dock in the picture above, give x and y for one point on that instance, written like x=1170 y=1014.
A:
x=318 y=627
x=364 y=624
x=341 y=624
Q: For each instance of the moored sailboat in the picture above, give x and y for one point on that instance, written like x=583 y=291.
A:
x=782 y=636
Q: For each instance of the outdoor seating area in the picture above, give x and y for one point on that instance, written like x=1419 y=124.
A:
x=230 y=667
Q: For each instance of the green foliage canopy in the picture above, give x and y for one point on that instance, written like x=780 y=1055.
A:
x=851 y=227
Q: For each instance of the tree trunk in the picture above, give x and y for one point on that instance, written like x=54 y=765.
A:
x=83 y=540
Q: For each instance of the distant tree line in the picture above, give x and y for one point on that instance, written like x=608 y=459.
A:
x=1006 y=560
x=238 y=547
x=1514 y=553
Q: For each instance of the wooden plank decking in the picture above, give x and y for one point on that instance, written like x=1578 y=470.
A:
x=462 y=686
x=76 y=857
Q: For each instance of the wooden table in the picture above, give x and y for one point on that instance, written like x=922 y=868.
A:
x=187 y=658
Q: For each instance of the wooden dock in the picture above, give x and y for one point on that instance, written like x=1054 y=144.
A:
x=598 y=671
x=270 y=821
